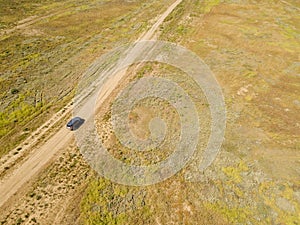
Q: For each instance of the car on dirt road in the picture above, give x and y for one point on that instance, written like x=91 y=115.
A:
x=75 y=123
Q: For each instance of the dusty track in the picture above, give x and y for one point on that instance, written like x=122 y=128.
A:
x=36 y=161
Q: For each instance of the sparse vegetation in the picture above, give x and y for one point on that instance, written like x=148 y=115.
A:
x=109 y=203
x=244 y=185
x=41 y=60
x=252 y=47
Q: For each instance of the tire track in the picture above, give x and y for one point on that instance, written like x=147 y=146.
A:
x=38 y=159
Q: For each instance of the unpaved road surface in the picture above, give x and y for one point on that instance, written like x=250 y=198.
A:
x=35 y=162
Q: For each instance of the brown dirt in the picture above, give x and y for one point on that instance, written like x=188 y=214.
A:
x=37 y=160
x=252 y=48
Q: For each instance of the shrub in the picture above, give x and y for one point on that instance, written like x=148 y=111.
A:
x=14 y=91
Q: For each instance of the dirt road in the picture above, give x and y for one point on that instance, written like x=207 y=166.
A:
x=35 y=162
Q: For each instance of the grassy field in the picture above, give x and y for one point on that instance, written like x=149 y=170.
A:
x=253 y=50
x=46 y=46
x=252 y=47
